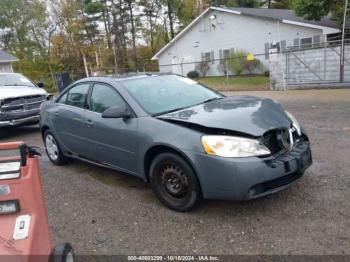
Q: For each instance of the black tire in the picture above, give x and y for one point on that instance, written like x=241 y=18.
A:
x=174 y=182
x=63 y=253
x=60 y=159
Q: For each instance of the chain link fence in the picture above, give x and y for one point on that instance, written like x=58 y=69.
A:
x=293 y=67
x=311 y=66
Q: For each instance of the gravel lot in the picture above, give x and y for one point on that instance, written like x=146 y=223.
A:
x=101 y=211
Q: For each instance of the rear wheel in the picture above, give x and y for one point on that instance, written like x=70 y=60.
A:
x=53 y=149
x=174 y=182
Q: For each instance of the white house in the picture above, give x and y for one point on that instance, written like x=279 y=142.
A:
x=5 y=62
x=218 y=31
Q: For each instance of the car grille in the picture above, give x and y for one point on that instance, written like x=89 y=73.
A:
x=22 y=104
x=281 y=181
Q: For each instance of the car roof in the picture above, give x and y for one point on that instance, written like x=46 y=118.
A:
x=123 y=77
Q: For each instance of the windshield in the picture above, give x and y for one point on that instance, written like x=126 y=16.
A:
x=162 y=94
x=14 y=80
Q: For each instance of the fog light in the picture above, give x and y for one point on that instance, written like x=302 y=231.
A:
x=9 y=207
x=10 y=170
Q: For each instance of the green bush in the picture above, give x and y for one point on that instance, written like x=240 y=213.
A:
x=238 y=63
x=252 y=65
x=193 y=74
x=267 y=73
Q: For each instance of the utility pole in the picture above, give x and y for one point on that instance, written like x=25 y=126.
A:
x=85 y=66
x=114 y=55
x=342 y=57
x=200 y=6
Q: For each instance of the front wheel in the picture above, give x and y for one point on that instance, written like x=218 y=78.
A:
x=174 y=182
x=63 y=253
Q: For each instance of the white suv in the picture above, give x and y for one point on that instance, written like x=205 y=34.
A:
x=20 y=100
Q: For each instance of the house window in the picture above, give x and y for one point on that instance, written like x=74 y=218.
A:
x=225 y=53
x=306 y=42
x=208 y=56
x=212 y=57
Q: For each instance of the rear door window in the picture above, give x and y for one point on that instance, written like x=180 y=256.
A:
x=76 y=96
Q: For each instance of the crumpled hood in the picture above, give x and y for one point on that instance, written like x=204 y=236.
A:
x=18 y=91
x=244 y=114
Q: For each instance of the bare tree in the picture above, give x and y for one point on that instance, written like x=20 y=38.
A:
x=203 y=67
x=130 y=6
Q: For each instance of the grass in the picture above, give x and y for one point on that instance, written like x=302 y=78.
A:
x=236 y=83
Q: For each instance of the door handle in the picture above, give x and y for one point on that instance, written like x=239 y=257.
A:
x=56 y=113
x=89 y=122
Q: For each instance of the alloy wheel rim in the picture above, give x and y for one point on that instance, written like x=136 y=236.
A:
x=51 y=147
x=70 y=257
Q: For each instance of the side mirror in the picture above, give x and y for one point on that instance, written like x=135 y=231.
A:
x=40 y=84
x=116 y=112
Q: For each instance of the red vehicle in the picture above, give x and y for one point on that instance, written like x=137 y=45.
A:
x=24 y=229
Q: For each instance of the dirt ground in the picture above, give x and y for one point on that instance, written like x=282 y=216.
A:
x=102 y=212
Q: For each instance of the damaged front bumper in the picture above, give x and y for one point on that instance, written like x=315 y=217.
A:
x=249 y=178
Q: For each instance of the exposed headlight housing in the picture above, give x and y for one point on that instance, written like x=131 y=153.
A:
x=232 y=146
x=295 y=123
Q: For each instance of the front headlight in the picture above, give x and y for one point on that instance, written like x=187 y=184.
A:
x=232 y=146
x=295 y=123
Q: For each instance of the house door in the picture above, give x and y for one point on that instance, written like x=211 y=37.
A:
x=176 y=64
x=188 y=65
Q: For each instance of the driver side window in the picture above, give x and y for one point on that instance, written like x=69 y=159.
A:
x=104 y=97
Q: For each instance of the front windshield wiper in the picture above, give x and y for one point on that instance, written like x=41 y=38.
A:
x=171 y=111
x=211 y=99
x=180 y=108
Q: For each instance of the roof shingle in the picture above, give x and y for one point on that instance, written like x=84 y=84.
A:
x=5 y=57
x=281 y=14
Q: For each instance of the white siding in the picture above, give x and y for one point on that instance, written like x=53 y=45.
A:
x=5 y=68
x=231 y=31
